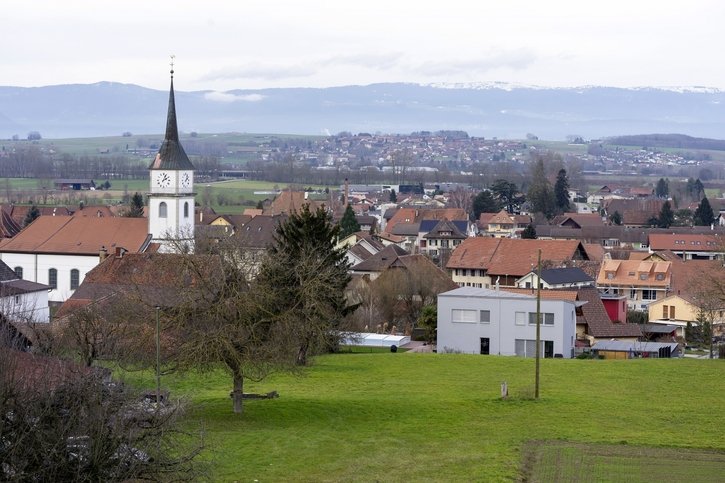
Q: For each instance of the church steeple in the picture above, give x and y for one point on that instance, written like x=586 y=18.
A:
x=171 y=155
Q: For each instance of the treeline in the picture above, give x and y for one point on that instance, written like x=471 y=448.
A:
x=680 y=141
x=30 y=161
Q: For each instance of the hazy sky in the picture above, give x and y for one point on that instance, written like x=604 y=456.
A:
x=250 y=44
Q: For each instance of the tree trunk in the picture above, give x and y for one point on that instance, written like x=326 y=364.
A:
x=302 y=355
x=238 y=392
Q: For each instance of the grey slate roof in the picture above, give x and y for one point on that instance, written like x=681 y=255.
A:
x=171 y=155
x=555 y=276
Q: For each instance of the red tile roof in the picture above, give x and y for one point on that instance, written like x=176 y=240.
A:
x=679 y=242
x=79 y=235
x=511 y=256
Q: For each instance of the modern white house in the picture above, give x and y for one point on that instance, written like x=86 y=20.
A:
x=484 y=321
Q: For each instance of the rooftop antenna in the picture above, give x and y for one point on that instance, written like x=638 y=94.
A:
x=172 y=64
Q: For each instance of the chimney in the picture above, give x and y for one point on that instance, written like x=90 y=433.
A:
x=102 y=253
x=120 y=251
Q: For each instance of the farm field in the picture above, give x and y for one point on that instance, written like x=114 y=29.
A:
x=433 y=417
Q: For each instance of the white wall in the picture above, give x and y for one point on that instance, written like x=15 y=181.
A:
x=502 y=329
x=36 y=266
x=28 y=307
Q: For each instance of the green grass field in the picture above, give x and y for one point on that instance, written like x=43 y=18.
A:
x=567 y=462
x=433 y=417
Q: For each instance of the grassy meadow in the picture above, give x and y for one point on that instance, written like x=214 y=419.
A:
x=432 y=417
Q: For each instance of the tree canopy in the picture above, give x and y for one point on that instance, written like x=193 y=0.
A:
x=348 y=223
x=508 y=195
x=541 y=195
x=704 y=215
x=484 y=202
x=561 y=191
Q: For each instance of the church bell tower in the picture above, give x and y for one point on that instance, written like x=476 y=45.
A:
x=171 y=196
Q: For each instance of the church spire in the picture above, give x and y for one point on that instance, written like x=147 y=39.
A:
x=171 y=155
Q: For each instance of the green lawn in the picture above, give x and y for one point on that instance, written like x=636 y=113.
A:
x=404 y=417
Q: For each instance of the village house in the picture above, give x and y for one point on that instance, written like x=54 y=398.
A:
x=22 y=301
x=484 y=321
x=482 y=262
x=689 y=246
x=502 y=224
x=642 y=282
x=552 y=278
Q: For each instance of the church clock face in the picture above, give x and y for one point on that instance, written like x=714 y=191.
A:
x=163 y=180
x=185 y=180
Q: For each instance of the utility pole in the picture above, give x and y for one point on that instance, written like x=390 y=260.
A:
x=538 y=325
x=158 y=359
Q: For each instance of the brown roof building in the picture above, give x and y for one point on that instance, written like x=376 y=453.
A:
x=481 y=261
x=59 y=251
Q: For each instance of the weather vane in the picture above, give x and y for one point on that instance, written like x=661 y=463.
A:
x=172 y=63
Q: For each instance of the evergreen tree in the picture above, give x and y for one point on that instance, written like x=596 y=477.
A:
x=484 y=202
x=393 y=197
x=529 y=232
x=666 y=217
x=616 y=218
x=135 y=209
x=704 y=216
x=306 y=276
x=540 y=194
x=348 y=223
x=561 y=191
x=662 y=190
x=507 y=194
x=31 y=215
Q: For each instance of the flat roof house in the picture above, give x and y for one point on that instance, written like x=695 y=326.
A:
x=484 y=321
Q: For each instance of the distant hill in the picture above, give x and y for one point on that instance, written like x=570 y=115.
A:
x=668 y=141
x=490 y=110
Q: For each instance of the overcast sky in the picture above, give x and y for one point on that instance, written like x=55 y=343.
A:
x=250 y=44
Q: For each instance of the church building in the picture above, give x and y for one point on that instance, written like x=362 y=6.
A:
x=171 y=196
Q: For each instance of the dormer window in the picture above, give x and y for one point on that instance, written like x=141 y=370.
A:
x=660 y=276
x=643 y=276
x=610 y=275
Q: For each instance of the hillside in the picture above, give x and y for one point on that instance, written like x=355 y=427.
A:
x=679 y=141
x=498 y=110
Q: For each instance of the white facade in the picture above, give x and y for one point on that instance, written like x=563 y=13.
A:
x=171 y=207
x=26 y=307
x=483 y=321
x=37 y=267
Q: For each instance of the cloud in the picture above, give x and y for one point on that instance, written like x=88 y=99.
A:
x=266 y=72
x=515 y=60
x=217 y=96
x=297 y=69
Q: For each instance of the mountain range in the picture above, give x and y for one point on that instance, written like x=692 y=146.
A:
x=489 y=110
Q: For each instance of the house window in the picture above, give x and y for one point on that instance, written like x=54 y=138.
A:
x=17 y=299
x=643 y=276
x=527 y=348
x=665 y=312
x=53 y=278
x=485 y=316
x=74 y=279
x=460 y=316
x=660 y=276
x=520 y=318
x=672 y=311
x=649 y=295
x=610 y=275
x=485 y=345
x=186 y=209
x=547 y=318
x=18 y=272
x=162 y=210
